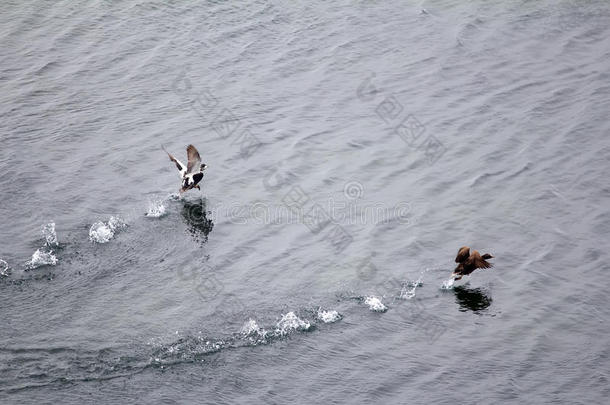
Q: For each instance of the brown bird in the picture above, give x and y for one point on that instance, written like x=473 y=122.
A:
x=469 y=262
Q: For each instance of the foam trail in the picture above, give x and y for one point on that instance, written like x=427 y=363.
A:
x=187 y=348
x=103 y=232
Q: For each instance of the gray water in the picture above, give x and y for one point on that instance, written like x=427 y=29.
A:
x=352 y=148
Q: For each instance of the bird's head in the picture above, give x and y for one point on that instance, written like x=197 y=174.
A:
x=487 y=256
x=203 y=167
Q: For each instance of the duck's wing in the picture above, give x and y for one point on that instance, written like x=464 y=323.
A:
x=478 y=262
x=463 y=254
x=194 y=163
x=181 y=167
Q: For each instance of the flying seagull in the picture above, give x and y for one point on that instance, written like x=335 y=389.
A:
x=469 y=262
x=192 y=173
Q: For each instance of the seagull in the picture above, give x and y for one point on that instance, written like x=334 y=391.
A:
x=191 y=174
x=469 y=262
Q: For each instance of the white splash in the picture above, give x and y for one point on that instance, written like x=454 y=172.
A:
x=448 y=284
x=116 y=223
x=45 y=256
x=329 y=316
x=41 y=257
x=4 y=272
x=102 y=232
x=254 y=333
x=249 y=327
x=375 y=304
x=213 y=346
x=290 y=322
x=156 y=209
x=50 y=236
x=408 y=288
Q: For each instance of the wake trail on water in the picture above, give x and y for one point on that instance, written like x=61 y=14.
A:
x=251 y=333
x=100 y=232
x=190 y=348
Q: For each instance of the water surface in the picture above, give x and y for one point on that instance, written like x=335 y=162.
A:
x=352 y=148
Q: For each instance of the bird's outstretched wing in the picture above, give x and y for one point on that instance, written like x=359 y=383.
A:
x=463 y=254
x=194 y=162
x=178 y=163
x=478 y=261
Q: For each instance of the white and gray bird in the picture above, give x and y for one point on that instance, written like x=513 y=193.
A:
x=192 y=173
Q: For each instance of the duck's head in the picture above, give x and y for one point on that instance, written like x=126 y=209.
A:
x=203 y=167
x=487 y=256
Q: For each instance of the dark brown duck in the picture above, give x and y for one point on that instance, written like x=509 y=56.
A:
x=469 y=262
